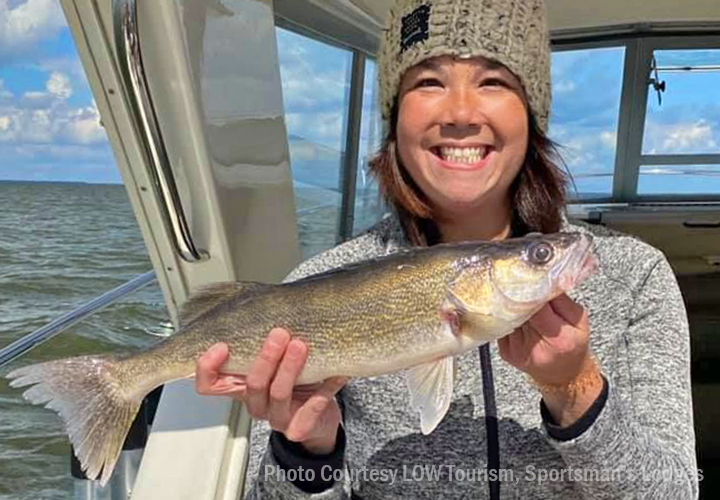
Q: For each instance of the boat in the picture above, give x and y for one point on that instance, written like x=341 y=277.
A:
x=191 y=97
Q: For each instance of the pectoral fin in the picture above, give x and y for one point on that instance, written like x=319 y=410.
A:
x=431 y=389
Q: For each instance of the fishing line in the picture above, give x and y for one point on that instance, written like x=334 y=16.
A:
x=491 y=422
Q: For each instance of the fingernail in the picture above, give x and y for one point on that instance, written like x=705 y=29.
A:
x=277 y=336
x=216 y=348
x=296 y=349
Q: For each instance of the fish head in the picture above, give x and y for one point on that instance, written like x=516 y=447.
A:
x=500 y=286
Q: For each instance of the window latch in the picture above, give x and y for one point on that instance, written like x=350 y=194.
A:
x=657 y=84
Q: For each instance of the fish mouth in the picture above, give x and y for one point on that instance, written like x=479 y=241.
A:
x=577 y=265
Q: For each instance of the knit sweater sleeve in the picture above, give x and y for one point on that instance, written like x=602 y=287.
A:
x=266 y=479
x=642 y=444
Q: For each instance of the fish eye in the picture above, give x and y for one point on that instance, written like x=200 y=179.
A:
x=541 y=253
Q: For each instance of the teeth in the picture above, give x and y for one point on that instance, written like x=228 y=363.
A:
x=463 y=155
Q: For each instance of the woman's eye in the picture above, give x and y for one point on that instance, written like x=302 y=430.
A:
x=428 y=82
x=494 y=82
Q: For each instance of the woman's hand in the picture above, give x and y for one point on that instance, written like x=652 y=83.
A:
x=553 y=348
x=306 y=414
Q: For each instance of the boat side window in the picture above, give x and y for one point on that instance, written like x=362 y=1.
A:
x=369 y=207
x=316 y=84
x=587 y=87
x=681 y=140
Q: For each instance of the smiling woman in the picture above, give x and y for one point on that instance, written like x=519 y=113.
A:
x=452 y=110
x=467 y=163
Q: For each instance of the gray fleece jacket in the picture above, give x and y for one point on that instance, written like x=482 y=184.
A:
x=636 y=442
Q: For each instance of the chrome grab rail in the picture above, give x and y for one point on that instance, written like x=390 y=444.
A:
x=127 y=42
x=59 y=325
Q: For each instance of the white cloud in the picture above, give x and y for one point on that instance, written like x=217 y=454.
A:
x=309 y=81
x=564 y=87
x=609 y=139
x=323 y=128
x=587 y=151
x=32 y=95
x=301 y=84
x=83 y=126
x=58 y=88
x=46 y=117
x=69 y=65
x=699 y=136
x=58 y=85
x=4 y=93
x=24 y=25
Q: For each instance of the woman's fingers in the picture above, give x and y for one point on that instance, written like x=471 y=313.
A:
x=514 y=348
x=281 y=388
x=569 y=310
x=207 y=369
x=309 y=415
x=546 y=322
x=230 y=385
x=263 y=371
x=303 y=413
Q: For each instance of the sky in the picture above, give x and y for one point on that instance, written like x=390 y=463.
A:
x=49 y=123
x=50 y=126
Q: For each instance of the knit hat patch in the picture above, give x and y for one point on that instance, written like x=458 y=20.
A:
x=511 y=32
x=415 y=27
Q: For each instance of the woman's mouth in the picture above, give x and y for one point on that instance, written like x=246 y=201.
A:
x=466 y=158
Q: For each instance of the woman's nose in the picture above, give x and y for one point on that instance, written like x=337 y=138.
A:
x=462 y=108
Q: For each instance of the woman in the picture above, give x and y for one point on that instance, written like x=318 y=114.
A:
x=601 y=411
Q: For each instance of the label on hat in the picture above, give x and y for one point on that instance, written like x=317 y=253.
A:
x=415 y=27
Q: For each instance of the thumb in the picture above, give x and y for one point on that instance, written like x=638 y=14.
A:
x=208 y=367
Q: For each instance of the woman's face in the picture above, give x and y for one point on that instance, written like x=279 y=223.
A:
x=462 y=132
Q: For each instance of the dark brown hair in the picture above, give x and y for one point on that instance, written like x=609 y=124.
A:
x=538 y=192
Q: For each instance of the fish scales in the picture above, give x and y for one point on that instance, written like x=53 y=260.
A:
x=414 y=311
x=347 y=319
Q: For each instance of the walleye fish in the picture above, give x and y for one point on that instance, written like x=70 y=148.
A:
x=413 y=310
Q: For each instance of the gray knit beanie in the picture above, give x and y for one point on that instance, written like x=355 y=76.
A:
x=511 y=32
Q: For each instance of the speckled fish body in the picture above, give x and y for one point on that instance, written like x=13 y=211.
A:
x=412 y=310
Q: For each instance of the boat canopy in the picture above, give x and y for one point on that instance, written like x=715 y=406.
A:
x=357 y=23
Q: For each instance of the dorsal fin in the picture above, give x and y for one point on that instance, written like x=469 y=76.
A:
x=211 y=295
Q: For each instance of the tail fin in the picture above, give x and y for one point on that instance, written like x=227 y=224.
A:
x=94 y=399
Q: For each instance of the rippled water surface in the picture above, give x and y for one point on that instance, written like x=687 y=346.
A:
x=61 y=245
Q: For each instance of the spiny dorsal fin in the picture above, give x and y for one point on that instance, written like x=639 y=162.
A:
x=209 y=296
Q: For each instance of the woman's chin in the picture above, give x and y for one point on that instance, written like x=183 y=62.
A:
x=461 y=205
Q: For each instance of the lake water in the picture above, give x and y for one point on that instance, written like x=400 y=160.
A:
x=61 y=245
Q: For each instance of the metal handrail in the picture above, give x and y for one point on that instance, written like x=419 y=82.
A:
x=59 y=325
x=127 y=42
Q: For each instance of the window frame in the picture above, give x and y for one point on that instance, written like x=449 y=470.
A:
x=633 y=113
x=625 y=102
x=646 y=49
x=350 y=137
